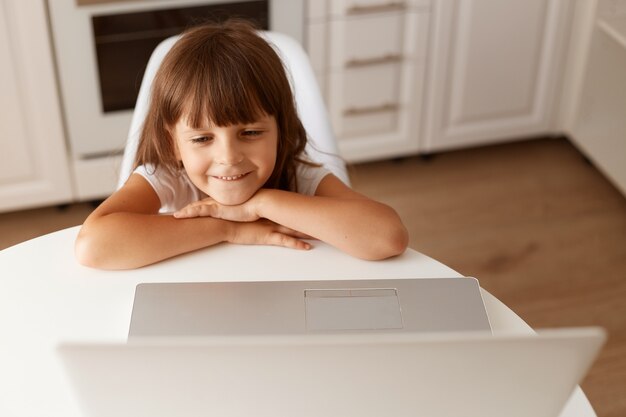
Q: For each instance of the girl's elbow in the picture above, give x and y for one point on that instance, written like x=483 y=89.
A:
x=397 y=237
x=95 y=251
x=91 y=251
x=85 y=252
x=400 y=241
x=397 y=243
x=394 y=244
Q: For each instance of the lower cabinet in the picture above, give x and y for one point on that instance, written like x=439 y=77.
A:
x=598 y=127
x=34 y=169
x=420 y=76
x=370 y=60
x=494 y=71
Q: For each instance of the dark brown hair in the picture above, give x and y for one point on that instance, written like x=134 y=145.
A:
x=226 y=74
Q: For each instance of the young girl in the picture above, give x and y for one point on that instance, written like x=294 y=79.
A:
x=221 y=154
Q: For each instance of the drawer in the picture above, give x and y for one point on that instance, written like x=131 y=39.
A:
x=358 y=89
x=374 y=100
x=356 y=127
x=356 y=7
x=375 y=39
x=360 y=40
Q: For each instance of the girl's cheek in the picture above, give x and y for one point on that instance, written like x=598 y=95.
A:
x=196 y=166
x=192 y=162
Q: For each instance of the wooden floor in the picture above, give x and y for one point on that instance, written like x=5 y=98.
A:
x=539 y=226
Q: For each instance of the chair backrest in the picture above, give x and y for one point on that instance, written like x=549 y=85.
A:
x=322 y=147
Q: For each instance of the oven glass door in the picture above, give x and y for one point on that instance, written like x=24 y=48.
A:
x=102 y=48
x=124 y=42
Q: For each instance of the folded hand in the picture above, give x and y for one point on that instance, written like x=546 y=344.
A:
x=266 y=232
x=210 y=208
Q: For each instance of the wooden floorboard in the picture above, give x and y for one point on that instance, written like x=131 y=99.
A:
x=536 y=223
x=540 y=228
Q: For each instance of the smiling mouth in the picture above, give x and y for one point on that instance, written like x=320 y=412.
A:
x=230 y=178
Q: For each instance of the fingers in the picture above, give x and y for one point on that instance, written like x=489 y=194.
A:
x=281 y=239
x=284 y=229
x=292 y=232
x=202 y=208
x=265 y=232
x=197 y=211
x=211 y=208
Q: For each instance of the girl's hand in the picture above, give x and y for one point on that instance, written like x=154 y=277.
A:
x=210 y=208
x=266 y=232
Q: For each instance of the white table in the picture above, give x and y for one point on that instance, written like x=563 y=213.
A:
x=46 y=297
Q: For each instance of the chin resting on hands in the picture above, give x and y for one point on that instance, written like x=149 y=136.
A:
x=208 y=207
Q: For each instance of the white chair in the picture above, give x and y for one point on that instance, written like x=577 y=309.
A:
x=310 y=105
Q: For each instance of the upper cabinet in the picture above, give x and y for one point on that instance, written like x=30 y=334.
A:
x=494 y=70
x=369 y=56
x=34 y=169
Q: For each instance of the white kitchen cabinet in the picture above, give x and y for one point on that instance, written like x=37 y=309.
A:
x=494 y=71
x=399 y=77
x=369 y=57
x=595 y=118
x=34 y=169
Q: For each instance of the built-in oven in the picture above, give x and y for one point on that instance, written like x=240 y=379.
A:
x=101 y=50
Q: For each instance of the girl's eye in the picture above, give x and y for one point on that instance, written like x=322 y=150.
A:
x=200 y=139
x=252 y=133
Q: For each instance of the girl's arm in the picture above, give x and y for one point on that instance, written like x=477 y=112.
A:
x=336 y=214
x=126 y=231
x=341 y=217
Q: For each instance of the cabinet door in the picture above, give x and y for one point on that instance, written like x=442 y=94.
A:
x=598 y=125
x=34 y=169
x=494 y=70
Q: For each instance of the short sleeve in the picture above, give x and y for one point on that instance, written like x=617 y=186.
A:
x=309 y=178
x=174 y=191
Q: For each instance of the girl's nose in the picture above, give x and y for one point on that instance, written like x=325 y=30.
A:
x=229 y=153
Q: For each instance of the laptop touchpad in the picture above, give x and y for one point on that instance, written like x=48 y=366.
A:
x=352 y=309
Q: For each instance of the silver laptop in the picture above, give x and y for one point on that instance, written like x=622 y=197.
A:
x=298 y=307
x=367 y=374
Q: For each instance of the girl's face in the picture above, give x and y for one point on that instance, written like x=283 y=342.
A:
x=229 y=163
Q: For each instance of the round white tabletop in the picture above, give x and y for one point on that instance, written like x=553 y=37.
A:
x=47 y=298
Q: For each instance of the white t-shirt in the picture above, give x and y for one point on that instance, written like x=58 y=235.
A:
x=176 y=191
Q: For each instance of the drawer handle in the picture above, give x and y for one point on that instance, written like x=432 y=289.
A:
x=375 y=8
x=357 y=111
x=373 y=61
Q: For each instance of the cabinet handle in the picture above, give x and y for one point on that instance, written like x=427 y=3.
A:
x=358 y=111
x=373 y=61
x=375 y=8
